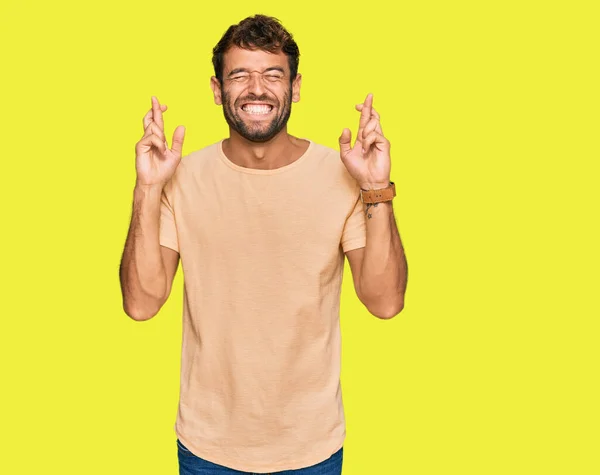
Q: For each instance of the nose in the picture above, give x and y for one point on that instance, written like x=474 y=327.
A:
x=255 y=84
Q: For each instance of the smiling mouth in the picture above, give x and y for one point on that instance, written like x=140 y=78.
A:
x=257 y=109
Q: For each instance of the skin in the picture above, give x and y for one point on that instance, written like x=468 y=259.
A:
x=278 y=150
x=379 y=269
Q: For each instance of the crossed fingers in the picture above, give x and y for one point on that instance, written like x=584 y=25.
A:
x=369 y=119
x=369 y=128
x=153 y=120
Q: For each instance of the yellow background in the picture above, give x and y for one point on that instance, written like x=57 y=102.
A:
x=492 y=112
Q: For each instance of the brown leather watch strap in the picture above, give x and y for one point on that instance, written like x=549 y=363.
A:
x=378 y=196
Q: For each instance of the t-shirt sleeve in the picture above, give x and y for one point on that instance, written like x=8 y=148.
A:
x=355 y=232
x=168 y=228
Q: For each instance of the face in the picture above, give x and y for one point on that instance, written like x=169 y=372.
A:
x=256 y=94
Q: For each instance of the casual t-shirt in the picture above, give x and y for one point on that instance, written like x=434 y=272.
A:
x=262 y=253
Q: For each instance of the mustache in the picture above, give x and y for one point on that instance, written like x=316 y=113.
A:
x=253 y=98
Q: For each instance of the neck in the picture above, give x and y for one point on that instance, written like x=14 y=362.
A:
x=274 y=153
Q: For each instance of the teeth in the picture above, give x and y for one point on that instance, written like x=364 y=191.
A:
x=257 y=109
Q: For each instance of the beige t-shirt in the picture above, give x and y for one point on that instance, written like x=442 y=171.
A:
x=262 y=253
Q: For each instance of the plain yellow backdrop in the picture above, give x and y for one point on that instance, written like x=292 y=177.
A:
x=492 y=112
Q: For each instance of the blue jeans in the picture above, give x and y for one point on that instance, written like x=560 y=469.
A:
x=190 y=464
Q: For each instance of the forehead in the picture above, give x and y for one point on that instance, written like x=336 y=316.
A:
x=253 y=60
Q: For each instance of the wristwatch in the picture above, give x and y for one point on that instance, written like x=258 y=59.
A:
x=378 y=196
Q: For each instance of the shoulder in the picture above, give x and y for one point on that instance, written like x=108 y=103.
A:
x=331 y=166
x=323 y=152
x=201 y=157
x=192 y=167
x=197 y=162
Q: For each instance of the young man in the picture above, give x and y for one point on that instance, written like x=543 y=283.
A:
x=261 y=221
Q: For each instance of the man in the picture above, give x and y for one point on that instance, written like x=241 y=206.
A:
x=261 y=221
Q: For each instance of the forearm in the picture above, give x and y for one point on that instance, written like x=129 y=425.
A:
x=384 y=268
x=142 y=271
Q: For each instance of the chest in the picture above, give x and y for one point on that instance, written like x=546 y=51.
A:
x=264 y=216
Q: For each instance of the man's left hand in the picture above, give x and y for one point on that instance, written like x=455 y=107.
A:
x=369 y=160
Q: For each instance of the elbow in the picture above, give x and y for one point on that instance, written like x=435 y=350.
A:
x=389 y=314
x=139 y=314
x=388 y=311
x=138 y=303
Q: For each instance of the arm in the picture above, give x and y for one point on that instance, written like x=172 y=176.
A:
x=147 y=269
x=380 y=270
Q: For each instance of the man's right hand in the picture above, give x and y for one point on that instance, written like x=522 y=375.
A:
x=155 y=163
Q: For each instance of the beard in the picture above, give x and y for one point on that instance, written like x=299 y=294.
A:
x=257 y=131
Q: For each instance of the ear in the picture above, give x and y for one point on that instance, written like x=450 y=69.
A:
x=296 y=83
x=215 y=85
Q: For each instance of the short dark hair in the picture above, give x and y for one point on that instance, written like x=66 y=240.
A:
x=257 y=32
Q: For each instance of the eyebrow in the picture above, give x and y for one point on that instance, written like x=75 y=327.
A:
x=244 y=70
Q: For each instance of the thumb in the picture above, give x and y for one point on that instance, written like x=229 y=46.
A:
x=345 y=140
x=178 y=136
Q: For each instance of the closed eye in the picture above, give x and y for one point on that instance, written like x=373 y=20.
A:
x=273 y=77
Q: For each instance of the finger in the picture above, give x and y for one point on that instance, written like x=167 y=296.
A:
x=153 y=129
x=152 y=140
x=374 y=138
x=345 y=141
x=157 y=113
x=374 y=113
x=178 y=137
x=365 y=114
x=148 y=117
x=370 y=127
